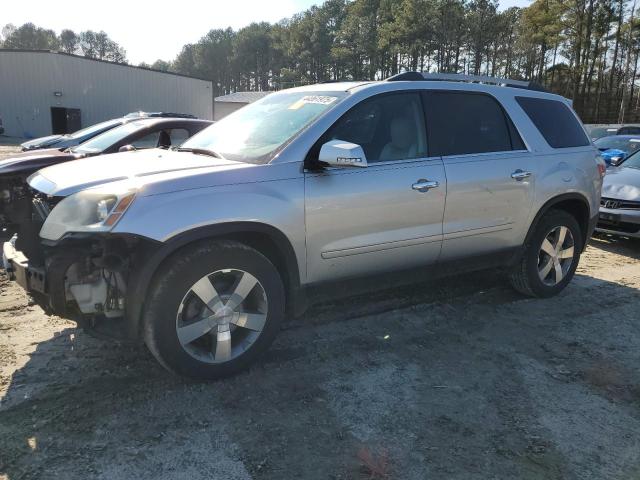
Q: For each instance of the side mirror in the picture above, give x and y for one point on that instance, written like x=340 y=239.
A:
x=615 y=161
x=126 y=148
x=338 y=153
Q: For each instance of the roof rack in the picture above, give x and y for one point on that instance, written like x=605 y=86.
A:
x=459 y=77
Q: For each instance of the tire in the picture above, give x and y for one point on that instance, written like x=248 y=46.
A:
x=175 y=310
x=526 y=276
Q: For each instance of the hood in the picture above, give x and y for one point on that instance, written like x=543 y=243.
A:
x=30 y=161
x=622 y=183
x=142 y=166
x=41 y=142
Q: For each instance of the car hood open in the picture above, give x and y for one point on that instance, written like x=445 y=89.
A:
x=622 y=183
x=68 y=178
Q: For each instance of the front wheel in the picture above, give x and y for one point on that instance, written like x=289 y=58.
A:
x=551 y=256
x=213 y=308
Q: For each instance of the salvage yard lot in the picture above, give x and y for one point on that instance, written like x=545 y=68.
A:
x=459 y=379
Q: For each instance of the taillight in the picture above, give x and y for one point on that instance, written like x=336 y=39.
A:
x=602 y=166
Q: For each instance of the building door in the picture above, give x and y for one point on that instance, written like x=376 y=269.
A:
x=65 y=120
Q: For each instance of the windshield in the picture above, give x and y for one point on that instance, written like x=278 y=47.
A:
x=108 y=138
x=253 y=133
x=95 y=129
x=632 y=161
x=619 y=143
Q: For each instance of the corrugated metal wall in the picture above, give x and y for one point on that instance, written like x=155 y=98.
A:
x=29 y=80
x=222 y=109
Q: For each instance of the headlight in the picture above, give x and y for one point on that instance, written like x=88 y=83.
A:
x=86 y=211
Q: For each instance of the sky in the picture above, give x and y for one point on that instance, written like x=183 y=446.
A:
x=156 y=30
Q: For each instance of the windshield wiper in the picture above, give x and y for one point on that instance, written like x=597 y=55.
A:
x=199 y=151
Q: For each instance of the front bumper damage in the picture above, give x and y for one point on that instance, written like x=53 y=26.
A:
x=85 y=279
x=16 y=264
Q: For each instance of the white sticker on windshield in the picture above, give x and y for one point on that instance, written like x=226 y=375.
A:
x=319 y=99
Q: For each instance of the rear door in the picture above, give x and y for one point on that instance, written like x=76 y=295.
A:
x=380 y=217
x=490 y=173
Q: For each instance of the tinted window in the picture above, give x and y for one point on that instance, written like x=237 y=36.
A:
x=465 y=123
x=387 y=127
x=555 y=121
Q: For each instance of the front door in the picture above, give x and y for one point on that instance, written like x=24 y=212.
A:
x=381 y=217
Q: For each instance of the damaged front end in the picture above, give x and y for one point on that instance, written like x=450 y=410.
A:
x=66 y=258
x=83 y=278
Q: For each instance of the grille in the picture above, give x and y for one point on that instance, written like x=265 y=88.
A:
x=614 y=203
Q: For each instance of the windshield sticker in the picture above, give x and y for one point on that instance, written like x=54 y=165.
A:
x=312 y=99
x=319 y=99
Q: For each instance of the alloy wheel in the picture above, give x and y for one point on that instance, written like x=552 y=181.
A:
x=556 y=255
x=221 y=316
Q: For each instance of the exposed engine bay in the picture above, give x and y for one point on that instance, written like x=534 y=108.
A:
x=86 y=274
x=15 y=199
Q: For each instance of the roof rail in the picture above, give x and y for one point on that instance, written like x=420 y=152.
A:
x=459 y=77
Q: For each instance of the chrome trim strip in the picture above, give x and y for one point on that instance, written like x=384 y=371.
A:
x=478 y=231
x=381 y=246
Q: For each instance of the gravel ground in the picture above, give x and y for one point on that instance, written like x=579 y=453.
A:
x=460 y=379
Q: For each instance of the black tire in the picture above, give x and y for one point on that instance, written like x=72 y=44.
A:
x=524 y=277
x=176 y=277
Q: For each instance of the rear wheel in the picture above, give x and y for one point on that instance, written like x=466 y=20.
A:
x=551 y=256
x=213 y=309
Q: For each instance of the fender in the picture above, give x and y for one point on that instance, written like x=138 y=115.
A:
x=142 y=277
x=585 y=223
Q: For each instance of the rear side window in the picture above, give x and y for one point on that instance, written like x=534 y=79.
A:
x=463 y=123
x=555 y=121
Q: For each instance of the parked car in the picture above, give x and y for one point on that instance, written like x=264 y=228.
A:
x=202 y=251
x=15 y=196
x=620 y=203
x=614 y=149
x=599 y=131
x=81 y=136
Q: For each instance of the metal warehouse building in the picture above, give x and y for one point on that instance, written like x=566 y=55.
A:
x=44 y=92
x=227 y=104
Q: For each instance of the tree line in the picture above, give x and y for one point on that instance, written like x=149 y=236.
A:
x=586 y=50
x=88 y=43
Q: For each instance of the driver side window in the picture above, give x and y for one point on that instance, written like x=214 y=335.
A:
x=387 y=127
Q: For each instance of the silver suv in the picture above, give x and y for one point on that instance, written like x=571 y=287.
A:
x=201 y=251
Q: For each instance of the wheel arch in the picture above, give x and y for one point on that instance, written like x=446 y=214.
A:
x=266 y=239
x=575 y=204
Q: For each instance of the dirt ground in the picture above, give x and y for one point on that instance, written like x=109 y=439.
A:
x=459 y=379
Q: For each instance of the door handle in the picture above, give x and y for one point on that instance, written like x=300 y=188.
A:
x=520 y=175
x=423 y=185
